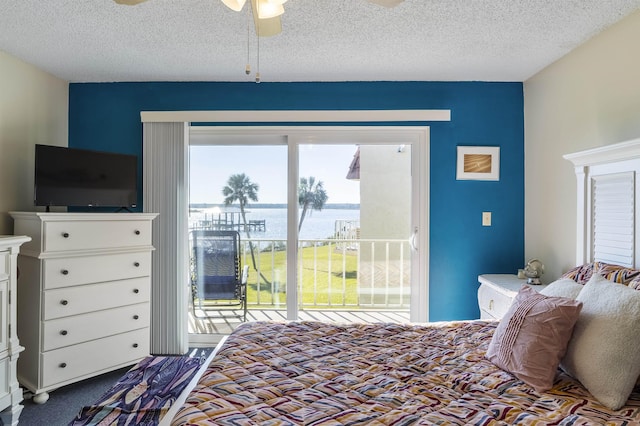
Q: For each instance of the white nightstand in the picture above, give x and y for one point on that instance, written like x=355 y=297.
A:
x=496 y=293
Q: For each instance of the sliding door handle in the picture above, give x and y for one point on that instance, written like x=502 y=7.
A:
x=413 y=239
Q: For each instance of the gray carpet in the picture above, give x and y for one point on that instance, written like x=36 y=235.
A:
x=65 y=403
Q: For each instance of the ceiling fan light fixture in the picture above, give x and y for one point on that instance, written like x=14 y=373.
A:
x=268 y=9
x=236 y=5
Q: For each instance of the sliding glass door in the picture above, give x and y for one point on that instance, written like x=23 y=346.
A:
x=330 y=220
x=240 y=188
x=354 y=222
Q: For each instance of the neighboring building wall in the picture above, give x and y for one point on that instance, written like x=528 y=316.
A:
x=33 y=110
x=384 y=170
x=385 y=214
x=587 y=99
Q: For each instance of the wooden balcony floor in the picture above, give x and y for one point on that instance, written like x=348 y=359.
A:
x=217 y=324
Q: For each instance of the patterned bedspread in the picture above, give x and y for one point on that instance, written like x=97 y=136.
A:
x=144 y=395
x=379 y=374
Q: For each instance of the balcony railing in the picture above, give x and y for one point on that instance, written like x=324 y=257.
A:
x=332 y=273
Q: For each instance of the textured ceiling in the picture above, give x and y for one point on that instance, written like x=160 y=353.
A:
x=322 y=40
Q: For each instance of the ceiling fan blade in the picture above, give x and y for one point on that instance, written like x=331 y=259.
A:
x=265 y=27
x=235 y=5
x=129 y=2
x=386 y=3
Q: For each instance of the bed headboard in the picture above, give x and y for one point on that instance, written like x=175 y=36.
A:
x=607 y=204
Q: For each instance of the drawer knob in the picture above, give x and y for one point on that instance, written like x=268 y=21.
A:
x=136 y=264
x=65 y=272
x=64 y=302
x=65 y=235
x=136 y=291
x=137 y=232
x=63 y=365
x=63 y=332
x=491 y=304
x=135 y=317
x=135 y=345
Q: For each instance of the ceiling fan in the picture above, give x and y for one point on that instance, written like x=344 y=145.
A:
x=266 y=13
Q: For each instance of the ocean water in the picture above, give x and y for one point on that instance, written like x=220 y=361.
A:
x=317 y=224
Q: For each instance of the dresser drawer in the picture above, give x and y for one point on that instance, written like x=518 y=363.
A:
x=63 y=302
x=68 y=331
x=87 y=358
x=64 y=272
x=493 y=302
x=95 y=234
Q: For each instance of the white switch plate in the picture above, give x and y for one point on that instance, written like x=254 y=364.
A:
x=486 y=218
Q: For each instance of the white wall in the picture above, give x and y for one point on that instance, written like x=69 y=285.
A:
x=589 y=98
x=34 y=109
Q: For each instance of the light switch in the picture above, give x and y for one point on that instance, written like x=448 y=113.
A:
x=486 y=218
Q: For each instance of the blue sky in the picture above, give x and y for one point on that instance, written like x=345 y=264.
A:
x=211 y=166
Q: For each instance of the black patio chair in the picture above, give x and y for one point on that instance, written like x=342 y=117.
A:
x=218 y=282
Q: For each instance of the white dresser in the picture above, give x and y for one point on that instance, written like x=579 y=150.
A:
x=497 y=291
x=83 y=295
x=10 y=392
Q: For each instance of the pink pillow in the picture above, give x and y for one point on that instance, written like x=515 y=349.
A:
x=532 y=337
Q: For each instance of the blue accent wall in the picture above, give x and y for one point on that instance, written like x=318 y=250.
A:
x=106 y=116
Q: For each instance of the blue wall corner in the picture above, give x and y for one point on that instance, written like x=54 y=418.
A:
x=106 y=116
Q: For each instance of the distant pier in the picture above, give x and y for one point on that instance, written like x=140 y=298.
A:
x=231 y=221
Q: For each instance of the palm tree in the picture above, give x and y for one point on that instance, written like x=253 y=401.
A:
x=240 y=188
x=311 y=195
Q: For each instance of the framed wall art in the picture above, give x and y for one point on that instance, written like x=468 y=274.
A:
x=478 y=163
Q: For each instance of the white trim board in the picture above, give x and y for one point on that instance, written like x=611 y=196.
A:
x=605 y=154
x=297 y=116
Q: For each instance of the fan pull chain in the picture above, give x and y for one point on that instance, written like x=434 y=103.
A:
x=247 y=69
x=258 y=46
x=258 y=64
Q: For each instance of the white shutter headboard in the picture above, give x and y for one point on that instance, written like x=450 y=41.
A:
x=607 y=204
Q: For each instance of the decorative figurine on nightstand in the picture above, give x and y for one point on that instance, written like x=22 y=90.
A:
x=533 y=271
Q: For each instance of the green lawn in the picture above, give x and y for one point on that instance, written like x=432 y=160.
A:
x=331 y=272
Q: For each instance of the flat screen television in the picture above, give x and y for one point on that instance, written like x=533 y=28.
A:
x=74 y=177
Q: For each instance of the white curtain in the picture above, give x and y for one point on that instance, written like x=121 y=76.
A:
x=165 y=162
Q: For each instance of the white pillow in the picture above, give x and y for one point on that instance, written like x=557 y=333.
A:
x=604 y=351
x=564 y=287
